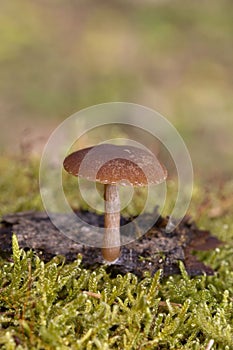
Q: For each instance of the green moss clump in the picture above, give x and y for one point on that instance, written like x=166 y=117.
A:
x=64 y=306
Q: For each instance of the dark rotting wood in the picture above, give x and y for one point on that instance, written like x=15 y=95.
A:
x=154 y=250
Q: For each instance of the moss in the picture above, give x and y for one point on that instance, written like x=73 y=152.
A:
x=19 y=185
x=64 y=306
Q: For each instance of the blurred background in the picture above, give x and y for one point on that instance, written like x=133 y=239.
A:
x=57 y=57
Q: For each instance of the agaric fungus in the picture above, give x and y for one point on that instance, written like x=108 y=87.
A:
x=113 y=165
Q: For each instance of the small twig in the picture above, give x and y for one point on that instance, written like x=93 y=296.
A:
x=163 y=303
x=98 y=296
x=92 y=294
x=210 y=344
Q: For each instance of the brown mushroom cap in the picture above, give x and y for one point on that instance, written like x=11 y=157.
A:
x=111 y=164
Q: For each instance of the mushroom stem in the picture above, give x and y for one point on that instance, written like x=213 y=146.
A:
x=111 y=240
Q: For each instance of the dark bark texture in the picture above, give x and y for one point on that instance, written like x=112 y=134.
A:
x=154 y=250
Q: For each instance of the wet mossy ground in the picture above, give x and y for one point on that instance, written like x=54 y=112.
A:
x=63 y=305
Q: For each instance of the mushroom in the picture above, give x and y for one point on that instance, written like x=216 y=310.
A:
x=113 y=165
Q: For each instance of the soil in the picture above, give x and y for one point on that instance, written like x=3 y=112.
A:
x=154 y=250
